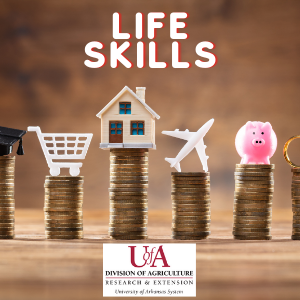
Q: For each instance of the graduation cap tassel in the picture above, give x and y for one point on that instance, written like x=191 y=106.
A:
x=20 y=150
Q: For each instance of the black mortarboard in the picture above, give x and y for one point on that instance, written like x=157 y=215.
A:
x=8 y=137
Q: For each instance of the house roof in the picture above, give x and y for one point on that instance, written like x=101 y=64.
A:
x=126 y=88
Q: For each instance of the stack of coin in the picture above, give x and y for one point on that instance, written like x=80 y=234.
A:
x=254 y=187
x=296 y=203
x=63 y=207
x=7 y=200
x=191 y=205
x=128 y=194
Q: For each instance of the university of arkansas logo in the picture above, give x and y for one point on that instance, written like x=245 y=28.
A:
x=149 y=257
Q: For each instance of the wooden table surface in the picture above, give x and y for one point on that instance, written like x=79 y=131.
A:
x=36 y=269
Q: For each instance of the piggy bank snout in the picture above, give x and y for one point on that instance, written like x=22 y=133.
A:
x=258 y=142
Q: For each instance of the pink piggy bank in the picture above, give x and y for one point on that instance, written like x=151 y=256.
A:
x=256 y=142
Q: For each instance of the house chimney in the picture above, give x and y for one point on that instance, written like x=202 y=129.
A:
x=140 y=92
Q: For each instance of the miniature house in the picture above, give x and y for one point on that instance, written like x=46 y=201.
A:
x=127 y=121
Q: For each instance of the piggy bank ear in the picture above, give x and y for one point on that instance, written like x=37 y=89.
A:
x=249 y=125
x=267 y=127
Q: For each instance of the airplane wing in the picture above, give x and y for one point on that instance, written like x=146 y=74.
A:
x=184 y=135
x=200 y=147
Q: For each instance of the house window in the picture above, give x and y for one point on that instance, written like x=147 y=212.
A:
x=137 y=127
x=125 y=108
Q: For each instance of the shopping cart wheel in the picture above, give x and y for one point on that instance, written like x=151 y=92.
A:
x=74 y=171
x=55 y=171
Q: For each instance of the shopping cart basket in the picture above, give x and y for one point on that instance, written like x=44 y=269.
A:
x=63 y=146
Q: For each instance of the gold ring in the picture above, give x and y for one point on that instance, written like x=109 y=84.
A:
x=285 y=151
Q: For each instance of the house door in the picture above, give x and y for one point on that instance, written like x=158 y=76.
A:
x=116 y=131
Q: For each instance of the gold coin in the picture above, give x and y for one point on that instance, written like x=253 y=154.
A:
x=252 y=218
x=253 y=213
x=194 y=213
x=190 y=229
x=137 y=217
x=121 y=230
x=116 y=223
x=61 y=237
x=192 y=174
x=250 y=222
x=129 y=177
x=63 y=218
x=202 y=237
x=128 y=204
x=252 y=196
x=128 y=197
x=63 y=183
x=67 y=178
x=129 y=237
x=191 y=233
x=62 y=206
x=253 y=190
x=191 y=202
x=71 y=212
x=189 y=189
x=191 y=220
x=251 y=230
x=256 y=166
x=11 y=236
x=64 y=233
x=130 y=150
x=57 y=223
x=190 y=207
x=130 y=182
x=125 y=209
x=124 y=162
x=253 y=237
x=128 y=185
x=253 y=205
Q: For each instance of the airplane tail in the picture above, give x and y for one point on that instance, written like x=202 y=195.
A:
x=175 y=165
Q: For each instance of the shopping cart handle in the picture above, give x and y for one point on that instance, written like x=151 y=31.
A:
x=34 y=128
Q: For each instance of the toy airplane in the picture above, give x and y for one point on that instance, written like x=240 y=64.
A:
x=195 y=140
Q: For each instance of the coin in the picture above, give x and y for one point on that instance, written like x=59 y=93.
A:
x=62 y=223
x=180 y=181
x=184 y=207
x=256 y=166
x=189 y=233
x=64 y=237
x=129 y=231
x=190 y=174
x=127 y=222
x=126 y=212
x=63 y=207
x=199 y=237
x=63 y=219
x=253 y=237
x=244 y=230
x=128 y=193
x=190 y=218
x=240 y=205
x=190 y=227
x=191 y=213
x=64 y=234
x=249 y=213
x=129 y=237
x=128 y=190
x=241 y=223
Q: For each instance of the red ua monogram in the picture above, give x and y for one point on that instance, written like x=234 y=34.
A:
x=149 y=257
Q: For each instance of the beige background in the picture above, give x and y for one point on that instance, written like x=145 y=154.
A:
x=44 y=82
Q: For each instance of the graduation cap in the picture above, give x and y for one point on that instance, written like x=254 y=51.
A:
x=8 y=137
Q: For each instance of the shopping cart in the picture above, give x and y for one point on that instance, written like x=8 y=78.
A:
x=61 y=146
